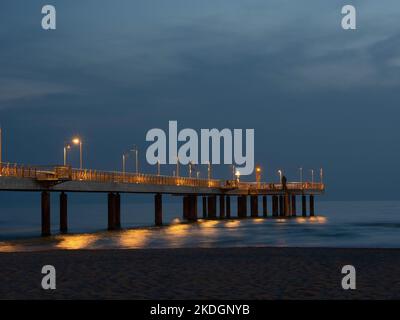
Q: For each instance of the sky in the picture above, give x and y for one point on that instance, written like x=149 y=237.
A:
x=316 y=95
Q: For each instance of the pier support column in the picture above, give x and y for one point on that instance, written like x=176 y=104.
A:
x=222 y=206
x=293 y=205
x=212 y=207
x=264 y=204
x=111 y=211
x=192 y=204
x=204 y=207
x=275 y=206
x=158 y=209
x=311 y=205
x=239 y=206
x=242 y=206
x=185 y=208
x=254 y=206
x=281 y=209
x=63 y=213
x=228 y=206
x=117 y=203
x=286 y=205
x=303 y=206
x=45 y=213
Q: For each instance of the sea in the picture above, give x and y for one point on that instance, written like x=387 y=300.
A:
x=344 y=224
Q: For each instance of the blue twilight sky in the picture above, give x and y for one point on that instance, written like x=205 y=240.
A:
x=316 y=95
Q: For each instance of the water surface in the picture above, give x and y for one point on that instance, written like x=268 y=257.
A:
x=338 y=224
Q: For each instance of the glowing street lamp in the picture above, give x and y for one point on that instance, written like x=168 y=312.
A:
x=66 y=148
x=190 y=169
x=209 y=170
x=124 y=156
x=280 y=175
x=237 y=174
x=301 y=175
x=321 y=175
x=78 y=141
x=258 y=174
x=312 y=176
x=136 y=150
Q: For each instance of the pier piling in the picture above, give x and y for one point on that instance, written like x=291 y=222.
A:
x=186 y=208
x=192 y=204
x=117 y=203
x=45 y=213
x=222 y=206
x=281 y=206
x=254 y=206
x=294 y=205
x=228 y=206
x=158 y=209
x=111 y=211
x=63 y=213
x=303 y=206
x=212 y=207
x=312 y=205
x=242 y=206
x=204 y=207
x=286 y=205
x=274 y=206
x=265 y=208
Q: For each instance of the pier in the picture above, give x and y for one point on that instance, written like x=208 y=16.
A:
x=214 y=195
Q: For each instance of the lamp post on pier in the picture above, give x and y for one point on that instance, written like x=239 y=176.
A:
x=136 y=151
x=280 y=175
x=124 y=156
x=66 y=148
x=190 y=169
x=78 y=141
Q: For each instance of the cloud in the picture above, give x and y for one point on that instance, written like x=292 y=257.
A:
x=17 y=89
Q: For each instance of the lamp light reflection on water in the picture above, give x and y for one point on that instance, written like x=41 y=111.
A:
x=209 y=223
x=75 y=242
x=9 y=247
x=318 y=219
x=134 y=238
x=232 y=224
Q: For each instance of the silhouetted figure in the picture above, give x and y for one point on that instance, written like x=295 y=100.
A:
x=284 y=183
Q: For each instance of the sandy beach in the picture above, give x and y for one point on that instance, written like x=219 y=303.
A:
x=226 y=273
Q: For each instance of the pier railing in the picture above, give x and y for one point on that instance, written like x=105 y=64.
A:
x=66 y=173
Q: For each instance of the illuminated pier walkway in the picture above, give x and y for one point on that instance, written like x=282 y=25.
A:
x=63 y=179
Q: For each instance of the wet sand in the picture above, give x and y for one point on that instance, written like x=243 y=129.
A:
x=214 y=273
